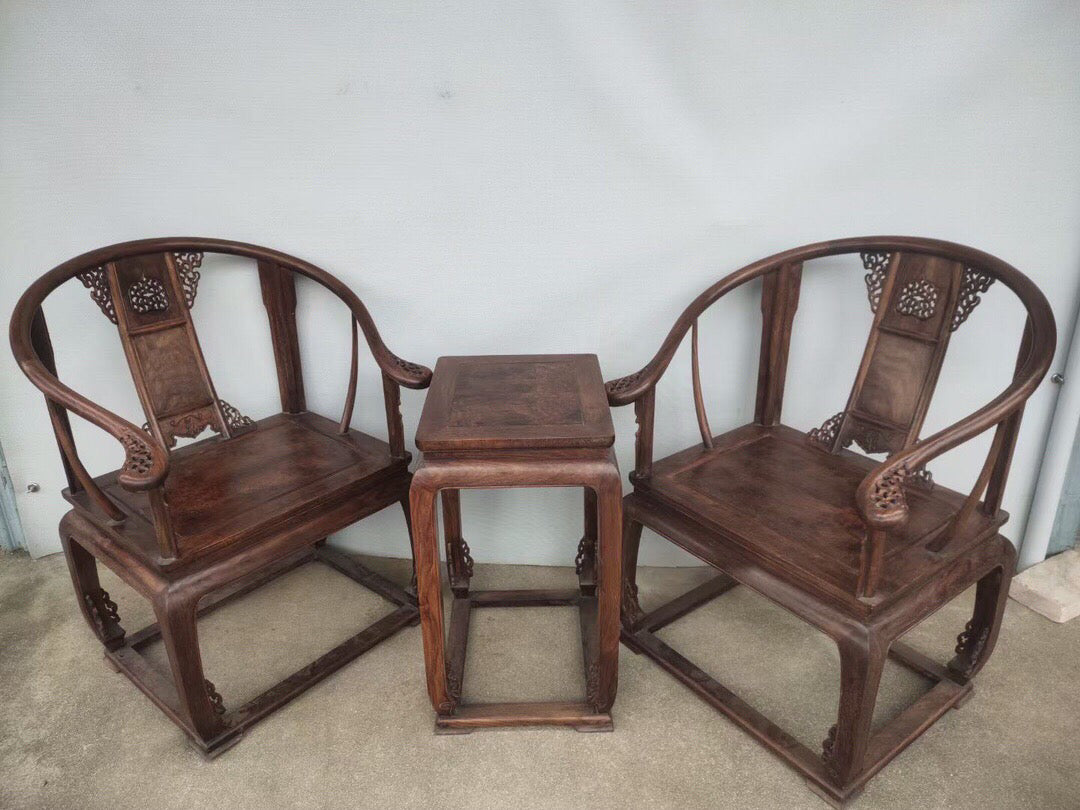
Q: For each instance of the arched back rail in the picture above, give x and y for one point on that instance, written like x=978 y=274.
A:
x=921 y=291
x=147 y=289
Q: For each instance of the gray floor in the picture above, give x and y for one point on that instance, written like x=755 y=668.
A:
x=75 y=735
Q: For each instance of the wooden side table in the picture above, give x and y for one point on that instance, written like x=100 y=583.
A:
x=518 y=421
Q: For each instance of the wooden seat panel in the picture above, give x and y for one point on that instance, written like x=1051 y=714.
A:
x=793 y=505
x=223 y=491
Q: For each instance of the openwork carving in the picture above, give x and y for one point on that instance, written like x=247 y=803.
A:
x=406 y=366
x=139 y=458
x=215 y=699
x=188 y=425
x=187 y=265
x=828 y=749
x=466 y=558
x=586 y=548
x=95 y=281
x=888 y=492
x=592 y=686
x=148 y=295
x=974 y=284
x=827 y=433
x=631 y=607
x=870 y=439
x=923 y=477
x=623 y=383
x=969 y=646
x=102 y=608
x=918 y=299
x=878 y=265
x=233 y=418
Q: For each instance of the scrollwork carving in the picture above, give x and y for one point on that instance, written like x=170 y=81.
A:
x=139 y=458
x=147 y=295
x=466 y=557
x=585 y=550
x=233 y=418
x=216 y=701
x=878 y=265
x=918 y=299
x=974 y=284
x=829 y=430
x=623 y=383
x=969 y=647
x=95 y=281
x=102 y=608
x=888 y=491
x=187 y=265
x=923 y=477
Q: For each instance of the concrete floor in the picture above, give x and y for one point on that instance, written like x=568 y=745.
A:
x=73 y=734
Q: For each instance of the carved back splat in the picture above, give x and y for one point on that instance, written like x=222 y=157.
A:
x=150 y=300
x=918 y=300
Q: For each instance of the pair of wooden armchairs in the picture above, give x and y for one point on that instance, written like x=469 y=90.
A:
x=862 y=550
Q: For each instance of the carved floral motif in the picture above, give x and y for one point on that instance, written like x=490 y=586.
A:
x=148 y=295
x=888 y=491
x=95 y=281
x=975 y=282
x=878 y=265
x=918 y=299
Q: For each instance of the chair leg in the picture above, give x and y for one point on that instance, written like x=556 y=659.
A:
x=585 y=561
x=97 y=608
x=862 y=660
x=631 y=608
x=976 y=642
x=459 y=561
x=412 y=550
x=199 y=700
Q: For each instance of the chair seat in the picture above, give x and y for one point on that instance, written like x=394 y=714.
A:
x=791 y=505
x=226 y=492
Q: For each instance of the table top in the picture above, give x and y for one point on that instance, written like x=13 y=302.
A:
x=515 y=402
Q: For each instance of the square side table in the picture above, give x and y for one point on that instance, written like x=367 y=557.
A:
x=517 y=421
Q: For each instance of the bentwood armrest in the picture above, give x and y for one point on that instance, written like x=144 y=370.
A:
x=146 y=463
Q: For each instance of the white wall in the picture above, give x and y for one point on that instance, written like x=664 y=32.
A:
x=524 y=177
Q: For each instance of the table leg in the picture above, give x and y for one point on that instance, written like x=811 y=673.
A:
x=459 y=562
x=429 y=592
x=608 y=569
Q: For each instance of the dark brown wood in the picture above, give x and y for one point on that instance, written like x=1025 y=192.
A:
x=279 y=298
x=861 y=549
x=517 y=421
x=191 y=528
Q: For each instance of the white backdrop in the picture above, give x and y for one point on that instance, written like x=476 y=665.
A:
x=533 y=177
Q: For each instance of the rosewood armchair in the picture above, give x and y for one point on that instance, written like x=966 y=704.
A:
x=861 y=549
x=191 y=527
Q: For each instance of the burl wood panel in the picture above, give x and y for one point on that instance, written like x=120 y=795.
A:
x=500 y=402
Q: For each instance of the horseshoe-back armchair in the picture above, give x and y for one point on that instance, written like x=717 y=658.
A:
x=861 y=549
x=191 y=527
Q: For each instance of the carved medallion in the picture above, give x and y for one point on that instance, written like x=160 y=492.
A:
x=918 y=299
x=148 y=295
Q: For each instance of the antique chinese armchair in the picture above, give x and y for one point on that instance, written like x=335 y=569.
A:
x=191 y=527
x=861 y=549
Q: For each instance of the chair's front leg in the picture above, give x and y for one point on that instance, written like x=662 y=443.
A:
x=176 y=615
x=412 y=552
x=976 y=642
x=94 y=602
x=862 y=660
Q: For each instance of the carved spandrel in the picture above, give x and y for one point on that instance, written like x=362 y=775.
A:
x=187 y=272
x=975 y=283
x=95 y=281
x=877 y=265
